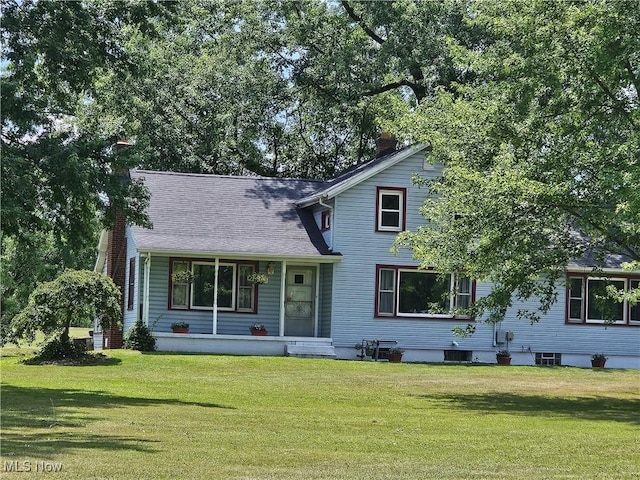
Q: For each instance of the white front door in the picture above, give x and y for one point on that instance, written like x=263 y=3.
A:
x=299 y=307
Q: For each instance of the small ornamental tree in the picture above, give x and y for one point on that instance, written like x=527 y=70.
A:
x=76 y=294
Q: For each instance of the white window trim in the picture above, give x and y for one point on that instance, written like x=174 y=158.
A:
x=626 y=307
x=400 y=194
x=173 y=284
x=396 y=305
x=250 y=287
x=393 y=291
x=234 y=287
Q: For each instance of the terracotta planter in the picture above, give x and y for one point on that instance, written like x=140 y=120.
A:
x=504 y=360
x=394 y=357
x=180 y=329
x=259 y=333
x=598 y=363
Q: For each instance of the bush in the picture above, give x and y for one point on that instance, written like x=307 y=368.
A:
x=58 y=349
x=139 y=338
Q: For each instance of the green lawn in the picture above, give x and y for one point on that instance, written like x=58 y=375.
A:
x=154 y=416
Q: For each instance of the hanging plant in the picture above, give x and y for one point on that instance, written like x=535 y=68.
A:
x=257 y=278
x=186 y=276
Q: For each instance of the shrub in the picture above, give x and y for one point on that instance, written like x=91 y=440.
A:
x=139 y=338
x=58 y=349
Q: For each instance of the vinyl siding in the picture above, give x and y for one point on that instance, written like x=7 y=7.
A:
x=130 y=316
x=326 y=294
x=201 y=321
x=355 y=279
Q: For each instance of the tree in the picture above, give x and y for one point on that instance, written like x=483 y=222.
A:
x=76 y=294
x=59 y=182
x=540 y=152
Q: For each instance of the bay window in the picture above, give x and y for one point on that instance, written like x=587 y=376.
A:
x=409 y=292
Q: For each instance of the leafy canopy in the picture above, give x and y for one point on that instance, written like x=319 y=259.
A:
x=540 y=150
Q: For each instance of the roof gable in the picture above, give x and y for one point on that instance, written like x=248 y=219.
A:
x=359 y=173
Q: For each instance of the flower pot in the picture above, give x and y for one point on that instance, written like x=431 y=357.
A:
x=394 y=357
x=180 y=329
x=504 y=360
x=259 y=333
x=598 y=362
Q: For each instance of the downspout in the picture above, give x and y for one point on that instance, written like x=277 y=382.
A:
x=215 y=297
x=330 y=221
x=146 y=282
x=283 y=286
x=316 y=326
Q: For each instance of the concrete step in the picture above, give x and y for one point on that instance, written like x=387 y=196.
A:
x=309 y=350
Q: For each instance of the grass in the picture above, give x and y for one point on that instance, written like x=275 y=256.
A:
x=203 y=416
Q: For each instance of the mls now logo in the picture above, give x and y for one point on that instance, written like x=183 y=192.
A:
x=29 y=466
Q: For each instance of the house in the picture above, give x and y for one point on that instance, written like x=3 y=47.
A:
x=332 y=282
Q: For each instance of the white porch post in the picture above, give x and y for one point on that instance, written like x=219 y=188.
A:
x=215 y=297
x=283 y=286
x=146 y=282
x=316 y=306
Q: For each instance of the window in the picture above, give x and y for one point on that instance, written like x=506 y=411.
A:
x=193 y=281
x=549 y=359
x=391 y=206
x=325 y=220
x=411 y=292
x=131 y=283
x=457 y=355
x=589 y=301
x=180 y=287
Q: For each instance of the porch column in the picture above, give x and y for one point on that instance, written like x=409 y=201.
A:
x=146 y=282
x=215 y=297
x=316 y=318
x=283 y=286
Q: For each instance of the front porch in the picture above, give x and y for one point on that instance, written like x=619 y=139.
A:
x=245 y=345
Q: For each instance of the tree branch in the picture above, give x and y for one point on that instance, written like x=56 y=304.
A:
x=356 y=18
x=390 y=86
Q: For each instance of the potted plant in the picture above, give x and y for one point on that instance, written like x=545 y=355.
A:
x=180 y=327
x=598 y=360
x=503 y=357
x=257 y=278
x=258 y=330
x=395 y=354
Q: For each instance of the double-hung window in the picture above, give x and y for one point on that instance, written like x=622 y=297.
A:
x=193 y=283
x=409 y=292
x=391 y=208
x=592 y=300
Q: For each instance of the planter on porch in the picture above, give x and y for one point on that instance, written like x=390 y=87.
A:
x=180 y=327
x=258 y=330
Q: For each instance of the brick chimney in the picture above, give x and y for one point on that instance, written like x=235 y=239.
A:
x=117 y=263
x=385 y=144
x=116 y=269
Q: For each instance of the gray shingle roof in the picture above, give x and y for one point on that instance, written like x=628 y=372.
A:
x=211 y=214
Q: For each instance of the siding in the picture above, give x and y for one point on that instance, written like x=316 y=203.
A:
x=355 y=277
x=326 y=293
x=130 y=316
x=201 y=321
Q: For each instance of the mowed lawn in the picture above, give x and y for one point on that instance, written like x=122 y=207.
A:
x=157 y=416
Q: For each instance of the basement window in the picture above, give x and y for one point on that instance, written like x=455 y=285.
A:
x=549 y=359
x=457 y=355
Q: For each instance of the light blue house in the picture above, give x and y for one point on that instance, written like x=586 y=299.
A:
x=331 y=280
